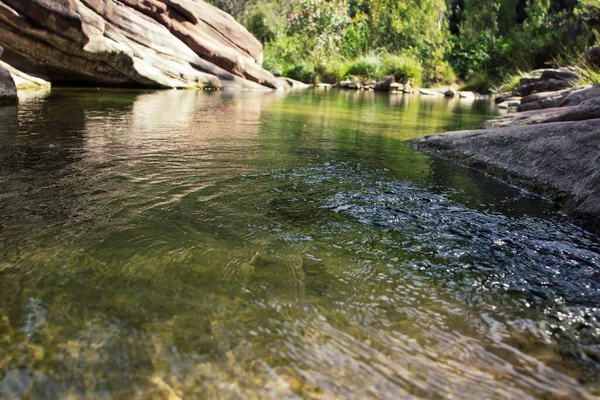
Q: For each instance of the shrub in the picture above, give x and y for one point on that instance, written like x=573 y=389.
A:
x=480 y=82
x=404 y=68
x=258 y=25
x=511 y=82
x=335 y=70
x=301 y=72
x=367 y=66
x=441 y=73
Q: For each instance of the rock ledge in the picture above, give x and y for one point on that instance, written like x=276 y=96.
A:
x=558 y=160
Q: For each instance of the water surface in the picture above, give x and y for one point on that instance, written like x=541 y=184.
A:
x=183 y=244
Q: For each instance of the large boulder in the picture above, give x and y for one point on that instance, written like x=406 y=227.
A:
x=559 y=160
x=589 y=109
x=8 y=89
x=543 y=80
x=542 y=100
x=580 y=96
x=150 y=43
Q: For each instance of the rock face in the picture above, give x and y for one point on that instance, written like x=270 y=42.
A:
x=559 y=160
x=580 y=96
x=148 y=43
x=540 y=101
x=8 y=89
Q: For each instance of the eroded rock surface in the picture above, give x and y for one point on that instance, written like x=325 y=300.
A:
x=149 y=43
x=8 y=89
x=560 y=160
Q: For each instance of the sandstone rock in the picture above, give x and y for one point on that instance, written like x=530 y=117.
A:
x=559 y=160
x=294 y=84
x=151 y=43
x=580 y=96
x=428 y=92
x=8 y=90
x=323 y=86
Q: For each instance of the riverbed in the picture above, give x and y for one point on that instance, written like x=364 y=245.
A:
x=239 y=245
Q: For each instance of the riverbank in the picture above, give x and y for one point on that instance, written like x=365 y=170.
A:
x=554 y=152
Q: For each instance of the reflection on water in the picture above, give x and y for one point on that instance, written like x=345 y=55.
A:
x=183 y=244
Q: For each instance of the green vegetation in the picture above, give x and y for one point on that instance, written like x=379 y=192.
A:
x=429 y=42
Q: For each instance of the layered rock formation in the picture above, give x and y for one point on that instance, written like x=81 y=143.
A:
x=137 y=43
x=559 y=160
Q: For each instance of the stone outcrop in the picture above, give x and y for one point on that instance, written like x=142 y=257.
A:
x=589 y=109
x=543 y=100
x=559 y=160
x=544 y=88
x=8 y=89
x=138 y=43
x=578 y=97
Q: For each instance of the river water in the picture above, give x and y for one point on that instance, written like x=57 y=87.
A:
x=181 y=244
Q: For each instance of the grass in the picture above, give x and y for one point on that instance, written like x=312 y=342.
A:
x=479 y=82
x=511 y=82
x=404 y=68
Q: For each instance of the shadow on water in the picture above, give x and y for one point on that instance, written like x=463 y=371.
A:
x=183 y=244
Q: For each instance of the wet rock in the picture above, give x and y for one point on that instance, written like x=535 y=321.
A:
x=589 y=109
x=143 y=43
x=559 y=160
x=294 y=84
x=323 y=86
x=450 y=92
x=385 y=84
x=8 y=89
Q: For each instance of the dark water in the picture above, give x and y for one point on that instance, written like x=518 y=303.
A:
x=189 y=245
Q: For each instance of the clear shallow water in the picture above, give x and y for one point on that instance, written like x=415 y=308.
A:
x=191 y=245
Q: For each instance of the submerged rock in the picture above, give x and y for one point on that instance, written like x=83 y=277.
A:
x=140 y=43
x=559 y=160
